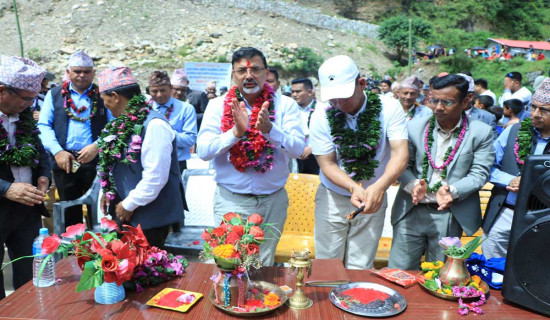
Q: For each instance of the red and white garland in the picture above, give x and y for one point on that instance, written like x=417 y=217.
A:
x=70 y=107
x=248 y=151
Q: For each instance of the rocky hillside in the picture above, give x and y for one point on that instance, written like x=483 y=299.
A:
x=152 y=35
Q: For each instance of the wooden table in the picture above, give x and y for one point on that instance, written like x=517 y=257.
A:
x=61 y=302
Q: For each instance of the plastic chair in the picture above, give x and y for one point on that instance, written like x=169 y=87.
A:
x=297 y=234
x=90 y=198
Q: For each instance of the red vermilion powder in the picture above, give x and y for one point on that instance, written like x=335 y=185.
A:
x=365 y=296
x=169 y=300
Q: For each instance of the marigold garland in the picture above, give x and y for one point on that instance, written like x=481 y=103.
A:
x=248 y=151
x=25 y=151
x=122 y=133
x=357 y=149
x=69 y=105
x=449 y=154
x=524 y=140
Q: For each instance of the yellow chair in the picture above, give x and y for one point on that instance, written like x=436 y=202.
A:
x=297 y=233
x=484 y=195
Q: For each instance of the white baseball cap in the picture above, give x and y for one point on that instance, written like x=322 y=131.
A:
x=337 y=77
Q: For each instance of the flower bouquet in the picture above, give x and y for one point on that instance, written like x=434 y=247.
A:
x=114 y=256
x=451 y=280
x=234 y=246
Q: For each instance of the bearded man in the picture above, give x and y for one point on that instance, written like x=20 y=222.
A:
x=24 y=167
x=360 y=142
x=250 y=134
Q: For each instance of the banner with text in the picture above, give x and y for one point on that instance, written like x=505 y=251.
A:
x=202 y=73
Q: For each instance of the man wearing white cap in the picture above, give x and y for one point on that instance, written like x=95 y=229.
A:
x=510 y=152
x=181 y=91
x=70 y=122
x=408 y=94
x=250 y=134
x=24 y=165
x=360 y=142
x=146 y=189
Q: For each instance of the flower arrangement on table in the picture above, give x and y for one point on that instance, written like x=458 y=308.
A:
x=234 y=246
x=103 y=257
x=452 y=278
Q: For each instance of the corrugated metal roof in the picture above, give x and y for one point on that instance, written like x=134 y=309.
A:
x=537 y=45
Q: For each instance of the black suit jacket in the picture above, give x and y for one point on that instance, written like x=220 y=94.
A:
x=6 y=179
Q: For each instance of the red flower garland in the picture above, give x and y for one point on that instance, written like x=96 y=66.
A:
x=247 y=152
x=69 y=105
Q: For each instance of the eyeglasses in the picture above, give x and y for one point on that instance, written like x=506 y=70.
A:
x=444 y=102
x=543 y=111
x=256 y=71
x=26 y=99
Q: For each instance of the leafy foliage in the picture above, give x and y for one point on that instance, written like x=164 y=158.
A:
x=302 y=61
x=395 y=32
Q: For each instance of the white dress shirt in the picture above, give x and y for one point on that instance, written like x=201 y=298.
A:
x=20 y=174
x=156 y=156
x=522 y=94
x=393 y=127
x=304 y=116
x=286 y=135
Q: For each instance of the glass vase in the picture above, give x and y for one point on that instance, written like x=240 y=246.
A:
x=109 y=293
x=454 y=272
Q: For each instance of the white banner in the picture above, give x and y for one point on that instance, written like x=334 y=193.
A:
x=201 y=73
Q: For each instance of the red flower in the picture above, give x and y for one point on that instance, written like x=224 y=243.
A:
x=257 y=232
x=108 y=225
x=74 y=231
x=206 y=236
x=252 y=249
x=109 y=263
x=256 y=219
x=230 y=215
x=218 y=232
x=135 y=235
x=238 y=229
x=51 y=244
x=232 y=238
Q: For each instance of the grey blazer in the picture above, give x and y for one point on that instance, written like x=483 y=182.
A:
x=468 y=172
x=485 y=117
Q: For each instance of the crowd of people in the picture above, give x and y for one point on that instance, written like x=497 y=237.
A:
x=441 y=140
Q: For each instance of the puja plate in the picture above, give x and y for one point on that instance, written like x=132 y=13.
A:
x=260 y=285
x=394 y=304
x=482 y=285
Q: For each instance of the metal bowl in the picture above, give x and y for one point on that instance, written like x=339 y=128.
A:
x=482 y=285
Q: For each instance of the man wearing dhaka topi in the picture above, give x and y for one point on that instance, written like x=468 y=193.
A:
x=24 y=166
x=250 y=134
x=450 y=156
x=360 y=142
x=138 y=160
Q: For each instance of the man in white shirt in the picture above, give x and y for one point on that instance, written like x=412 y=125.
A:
x=514 y=90
x=250 y=134
x=481 y=87
x=25 y=170
x=408 y=96
x=152 y=168
x=302 y=93
x=360 y=142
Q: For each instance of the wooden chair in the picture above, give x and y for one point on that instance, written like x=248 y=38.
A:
x=484 y=195
x=297 y=233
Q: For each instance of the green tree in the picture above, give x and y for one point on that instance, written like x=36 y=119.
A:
x=395 y=33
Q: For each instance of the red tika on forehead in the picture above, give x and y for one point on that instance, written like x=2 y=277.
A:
x=248 y=63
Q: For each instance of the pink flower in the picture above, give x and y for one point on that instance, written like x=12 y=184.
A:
x=103 y=183
x=74 y=231
x=136 y=138
x=446 y=242
x=110 y=195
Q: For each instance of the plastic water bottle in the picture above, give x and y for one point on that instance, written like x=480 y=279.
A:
x=48 y=275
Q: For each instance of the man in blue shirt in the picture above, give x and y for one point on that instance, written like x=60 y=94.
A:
x=505 y=174
x=71 y=119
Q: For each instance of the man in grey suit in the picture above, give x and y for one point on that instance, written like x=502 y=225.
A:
x=443 y=201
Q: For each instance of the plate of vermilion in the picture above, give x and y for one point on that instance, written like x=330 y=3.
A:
x=368 y=299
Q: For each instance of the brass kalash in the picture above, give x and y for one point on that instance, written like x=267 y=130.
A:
x=299 y=260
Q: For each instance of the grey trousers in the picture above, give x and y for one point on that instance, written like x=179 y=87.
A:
x=356 y=241
x=271 y=207
x=418 y=233
x=495 y=243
